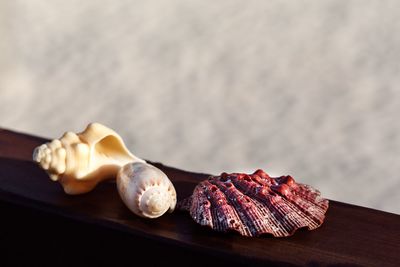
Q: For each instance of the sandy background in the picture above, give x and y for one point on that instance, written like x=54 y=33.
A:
x=307 y=88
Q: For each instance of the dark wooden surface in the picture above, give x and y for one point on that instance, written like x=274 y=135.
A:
x=350 y=236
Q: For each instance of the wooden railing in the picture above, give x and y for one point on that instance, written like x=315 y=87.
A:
x=351 y=235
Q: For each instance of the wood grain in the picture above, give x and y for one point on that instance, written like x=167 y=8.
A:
x=351 y=235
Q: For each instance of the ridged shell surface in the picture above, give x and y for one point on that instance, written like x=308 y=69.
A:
x=255 y=204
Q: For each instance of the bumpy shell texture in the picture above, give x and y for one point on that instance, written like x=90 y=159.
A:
x=255 y=204
x=80 y=161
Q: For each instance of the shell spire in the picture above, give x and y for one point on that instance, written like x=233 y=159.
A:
x=146 y=190
x=256 y=204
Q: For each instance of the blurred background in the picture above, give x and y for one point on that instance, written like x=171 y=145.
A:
x=307 y=88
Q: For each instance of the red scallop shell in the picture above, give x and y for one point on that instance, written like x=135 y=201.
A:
x=255 y=204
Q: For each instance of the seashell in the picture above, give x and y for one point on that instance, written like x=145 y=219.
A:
x=146 y=190
x=80 y=161
x=255 y=204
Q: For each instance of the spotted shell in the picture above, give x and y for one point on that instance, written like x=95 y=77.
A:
x=255 y=204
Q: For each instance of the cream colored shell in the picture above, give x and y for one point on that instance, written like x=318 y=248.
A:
x=80 y=161
x=146 y=190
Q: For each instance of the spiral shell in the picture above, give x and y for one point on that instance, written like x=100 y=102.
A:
x=80 y=161
x=146 y=190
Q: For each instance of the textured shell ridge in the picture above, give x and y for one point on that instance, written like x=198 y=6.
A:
x=256 y=204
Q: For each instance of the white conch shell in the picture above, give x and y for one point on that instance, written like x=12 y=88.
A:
x=146 y=190
x=80 y=161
